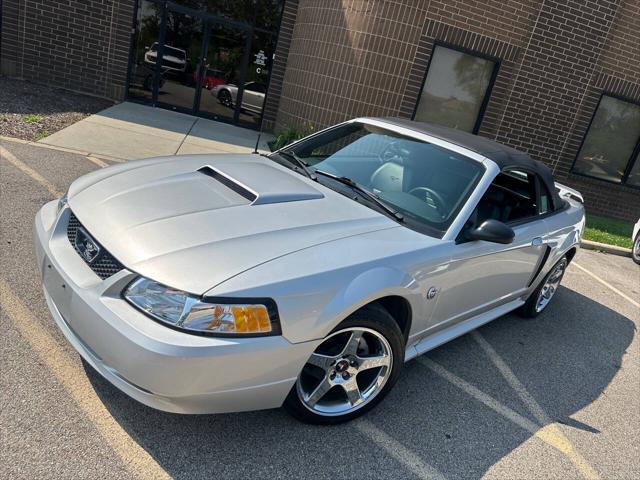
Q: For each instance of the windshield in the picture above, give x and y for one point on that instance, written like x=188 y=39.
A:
x=169 y=51
x=426 y=183
x=174 y=52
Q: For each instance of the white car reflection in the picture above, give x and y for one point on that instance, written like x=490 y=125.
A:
x=172 y=58
x=252 y=96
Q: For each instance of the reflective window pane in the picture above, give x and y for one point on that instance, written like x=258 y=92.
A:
x=545 y=199
x=143 y=65
x=634 y=175
x=180 y=60
x=262 y=13
x=223 y=60
x=255 y=90
x=454 y=89
x=610 y=141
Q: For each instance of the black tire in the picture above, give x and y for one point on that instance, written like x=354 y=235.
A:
x=635 y=249
x=371 y=317
x=224 y=97
x=148 y=82
x=531 y=307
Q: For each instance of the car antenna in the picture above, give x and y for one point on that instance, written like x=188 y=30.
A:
x=255 y=150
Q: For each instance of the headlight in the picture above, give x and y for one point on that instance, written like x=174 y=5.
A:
x=62 y=201
x=221 y=316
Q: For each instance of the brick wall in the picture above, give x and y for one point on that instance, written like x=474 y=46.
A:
x=272 y=102
x=347 y=59
x=617 y=72
x=357 y=57
x=80 y=45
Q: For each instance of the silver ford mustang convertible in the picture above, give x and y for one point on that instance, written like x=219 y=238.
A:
x=303 y=278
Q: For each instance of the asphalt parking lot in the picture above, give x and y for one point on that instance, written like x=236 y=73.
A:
x=555 y=397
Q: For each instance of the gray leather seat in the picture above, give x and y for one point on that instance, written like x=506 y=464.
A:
x=493 y=206
x=388 y=177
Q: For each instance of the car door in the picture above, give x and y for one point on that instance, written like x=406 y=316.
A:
x=483 y=275
x=253 y=97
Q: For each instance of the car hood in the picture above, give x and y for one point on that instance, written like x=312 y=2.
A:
x=194 y=221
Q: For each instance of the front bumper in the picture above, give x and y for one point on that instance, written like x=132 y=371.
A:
x=160 y=367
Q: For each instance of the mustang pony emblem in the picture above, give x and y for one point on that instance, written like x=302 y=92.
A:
x=86 y=246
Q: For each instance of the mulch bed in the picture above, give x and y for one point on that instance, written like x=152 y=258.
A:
x=31 y=112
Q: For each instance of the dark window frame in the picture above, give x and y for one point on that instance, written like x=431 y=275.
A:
x=634 y=153
x=492 y=80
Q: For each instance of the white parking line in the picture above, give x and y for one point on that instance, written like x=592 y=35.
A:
x=10 y=157
x=551 y=432
x=67 y=372
x=398 y=451
x=607 y=284
x=511 y=379
x=479 y=395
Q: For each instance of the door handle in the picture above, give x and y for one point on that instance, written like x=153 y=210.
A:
x=536 y=242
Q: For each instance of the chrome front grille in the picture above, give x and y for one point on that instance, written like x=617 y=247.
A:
x=104 y=265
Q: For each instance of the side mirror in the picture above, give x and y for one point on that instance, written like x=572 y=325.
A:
x=492 y=231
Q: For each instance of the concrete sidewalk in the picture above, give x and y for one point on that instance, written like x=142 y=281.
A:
x=130 y=131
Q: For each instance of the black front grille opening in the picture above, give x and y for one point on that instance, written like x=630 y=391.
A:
x=105 y=265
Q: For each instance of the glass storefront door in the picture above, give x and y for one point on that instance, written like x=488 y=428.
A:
x=223 y=72
x=142 y=70
x=257 y=78
x=183 y=35
x=238 y=66
x=196 y=58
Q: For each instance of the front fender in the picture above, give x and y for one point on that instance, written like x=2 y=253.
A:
x=365 y=288
x=317 y=288
x=311 y=307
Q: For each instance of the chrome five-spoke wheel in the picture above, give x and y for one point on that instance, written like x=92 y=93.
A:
x=540 y=298
x=345 y=372
x=551 y=284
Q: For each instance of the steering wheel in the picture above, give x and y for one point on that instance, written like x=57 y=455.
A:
x=430 y=196
x=391 y=153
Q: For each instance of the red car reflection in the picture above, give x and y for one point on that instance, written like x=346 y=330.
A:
x=212 y=78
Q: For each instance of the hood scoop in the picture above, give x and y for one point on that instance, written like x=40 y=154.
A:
x=229 y=183
x=261 y=184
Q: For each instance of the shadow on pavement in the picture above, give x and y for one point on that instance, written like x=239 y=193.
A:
x=565 y=358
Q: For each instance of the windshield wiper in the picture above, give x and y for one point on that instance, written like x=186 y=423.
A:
x=293 y=159
x=364 y=192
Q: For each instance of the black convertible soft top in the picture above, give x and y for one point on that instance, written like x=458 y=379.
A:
x=505 y=157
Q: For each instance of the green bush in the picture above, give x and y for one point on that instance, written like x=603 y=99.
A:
x=289 y=135
x=32 y=118
x=42 y=133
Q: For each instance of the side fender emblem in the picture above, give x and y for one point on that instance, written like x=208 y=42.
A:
x=431 y=293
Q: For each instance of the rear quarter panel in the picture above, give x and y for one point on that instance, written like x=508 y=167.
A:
x=565 y=230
